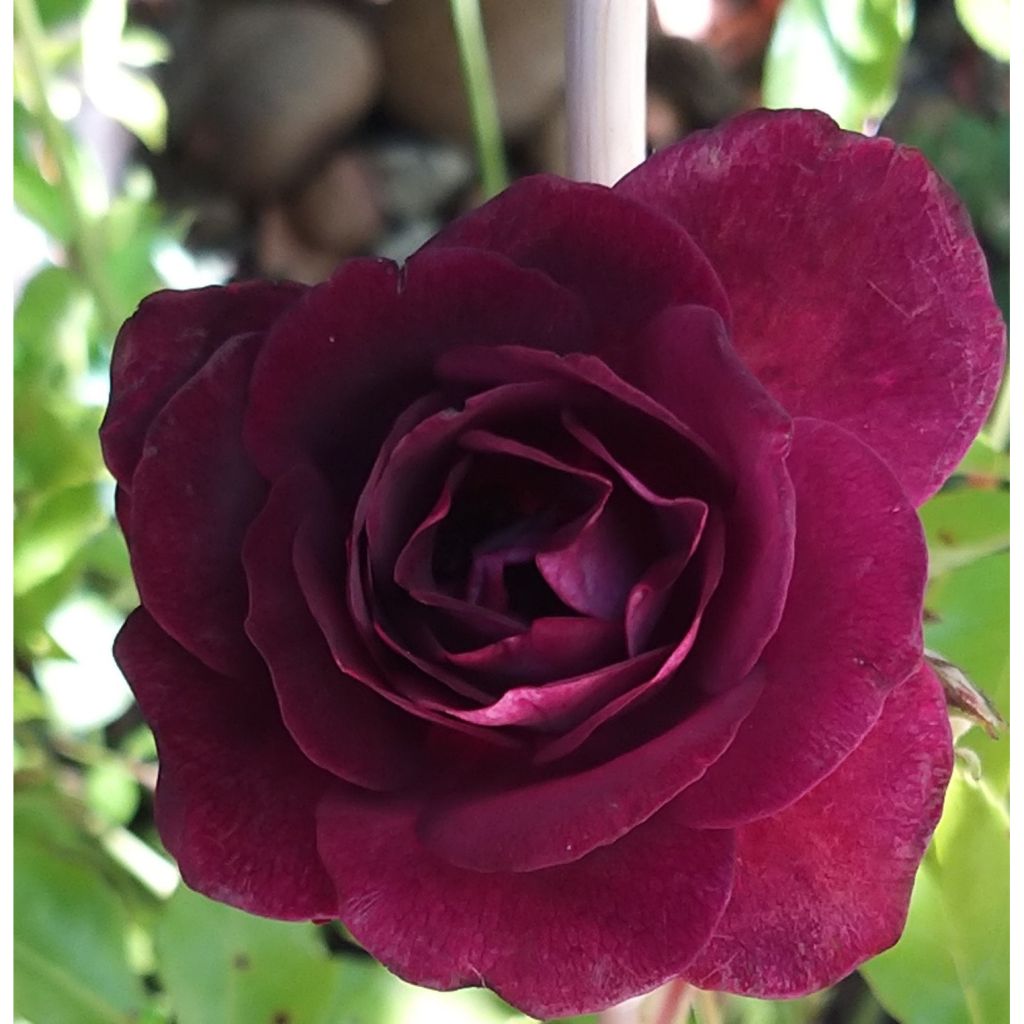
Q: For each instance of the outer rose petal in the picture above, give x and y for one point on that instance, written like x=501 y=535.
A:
x=626 y=261
x=825 y=884
x=235 y=801
x=359 y=349
x=165 y=343
x=557 y=942
x=558 y=819
x=859 y=293
x=336 y=720
x=850 y=632
x=193 y=496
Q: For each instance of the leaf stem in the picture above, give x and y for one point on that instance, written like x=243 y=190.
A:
x=86 y=250
x=483 y=103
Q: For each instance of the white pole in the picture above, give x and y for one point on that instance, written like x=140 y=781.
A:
x=606 y=87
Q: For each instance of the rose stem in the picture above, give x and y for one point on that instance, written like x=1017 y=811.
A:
x=606 y=83
x=483 y=104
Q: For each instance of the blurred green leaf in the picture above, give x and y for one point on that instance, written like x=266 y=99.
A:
x=988 y=22
x=51 y=532
x=53 y=12
x=29 y=703
x=983 y=464
x=70 y=961
x=52 y=324
x=111 y=791
x=972 y=866
x=964 y=525
x=971 y=628
x=840 y=56
x=219 y=964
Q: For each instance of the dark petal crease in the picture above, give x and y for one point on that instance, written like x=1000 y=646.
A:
x=337 y=721
x=850 y=632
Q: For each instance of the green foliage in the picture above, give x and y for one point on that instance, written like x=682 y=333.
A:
x=220 y=964
x=988 y=22
x=70 y=923
x=840 y=56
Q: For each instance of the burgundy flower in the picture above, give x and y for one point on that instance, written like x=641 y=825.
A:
x=548 y=609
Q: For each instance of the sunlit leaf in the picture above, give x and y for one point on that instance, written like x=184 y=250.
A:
x=70 y=929
x=219 y=964
x=49 y=534
x=988 y=22
x=969 y=625
x=840 y=56
x=964 y=525
x=111 y=791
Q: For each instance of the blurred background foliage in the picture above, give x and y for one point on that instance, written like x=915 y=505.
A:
x=178 y=143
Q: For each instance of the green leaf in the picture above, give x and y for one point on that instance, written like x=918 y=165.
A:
x=50 y=533
x=988 y=22
x=964 y=525
x=969 y=625
x=984 y=466
x=111 y=791
x=70 y=928
x=840 y=56
x=219 y=964
x=972 y=866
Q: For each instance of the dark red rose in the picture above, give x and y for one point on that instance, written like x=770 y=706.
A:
x=548 y=609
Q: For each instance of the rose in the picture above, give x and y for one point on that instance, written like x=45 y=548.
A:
x=548 y=609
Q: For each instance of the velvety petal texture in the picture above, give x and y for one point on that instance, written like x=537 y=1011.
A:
x=858 y=291
x=548 y=608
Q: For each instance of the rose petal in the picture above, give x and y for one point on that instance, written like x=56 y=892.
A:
x=345 y=362
x=338 y=722
x=557 y=942
x=167 y=340
x=235 y=801
x=684 y=360
x=851 y=631
x=550 y=649
x=625 y=260
x=560 y=818
x=825 y=884
x=193 y=496
x=859 y=293
x=677 y=649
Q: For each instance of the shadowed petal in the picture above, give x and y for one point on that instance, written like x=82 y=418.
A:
x=169 y=338
x=337 y=721
x=625 y=260
x=559 y=818
x=193 y=496
x=235 y=801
